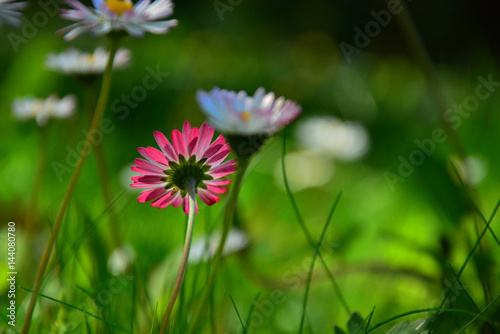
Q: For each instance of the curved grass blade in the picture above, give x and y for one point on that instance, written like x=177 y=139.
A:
x=478 y=315
x=425 y=310
x=154 y=321
x=238 y=313
x=306 y=232
x=79 y=309
x=316 y=253
x=252 y=308
x=474 y=205
x=469 y=256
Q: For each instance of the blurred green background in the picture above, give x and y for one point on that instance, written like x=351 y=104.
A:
x=388 y=247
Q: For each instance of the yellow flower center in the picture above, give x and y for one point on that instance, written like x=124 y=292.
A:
x=90 y=59
x=118 y=6
x=245 y=116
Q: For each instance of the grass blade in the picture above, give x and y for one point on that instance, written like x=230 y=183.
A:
x=425 y=310
x=474 y=205
x=79 y=309
x=87 y=326
x=316 y=252
x=306 y=232
x=469 y=256
x=154 y=320
x=478 y=315
x=238 y=313
x=252 y=308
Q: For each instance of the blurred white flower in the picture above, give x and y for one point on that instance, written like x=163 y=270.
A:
x=162 y=276
x=43 y=109
x=333 y=137
x=9 y=12
x=236 y=113
x=472 y=171
x=76 y=62
x=305 y=169
x=121 y=259
x=125 y=175
x=203 y=249
x=108 y=16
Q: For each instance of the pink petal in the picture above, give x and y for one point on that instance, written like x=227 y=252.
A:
x=164 y=201
x=156 y=155
x=220 y=156
x=216 y=189
x=145 y=171
x=177 y=200
x=221 y=182
x=144 y=185
x=178 y=142
x=205 y=137
x=186 y=131
x=208 y=197
x=151 y=194
x=147 y=166
x=215 y=147
x=165 y=146
x=142 y=151
x=185 y=205
x=192 y=141
x=223 y=169
x=152 y=179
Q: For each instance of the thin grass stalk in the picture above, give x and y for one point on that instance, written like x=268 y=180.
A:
x=99 y=112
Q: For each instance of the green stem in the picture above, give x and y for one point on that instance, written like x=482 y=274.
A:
x=37 y=181
x=307 y=234
x=309 y=276
x=423 y=310
x=185 y=256
x=226 y=227
x=102 y=172
x=457 y=277
x=87 y=146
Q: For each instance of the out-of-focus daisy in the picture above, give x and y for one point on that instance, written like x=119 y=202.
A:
x=247 y=121
x=191 y=160
x=43 y=109
x=239 y=114
x=9 y=12
x=205 y=248
x=76 y=62
x=116 y=15
x=333 y=137
x=121 y=259
x=305 y=169
x=472 y=170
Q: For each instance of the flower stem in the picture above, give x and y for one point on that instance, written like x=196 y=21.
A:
x=226 y=227
x=102 y=172
x=87 y=146
x=185 y=256
x=37 y=181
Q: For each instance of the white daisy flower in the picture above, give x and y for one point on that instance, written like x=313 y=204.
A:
x=43 y=109
x=121 y=259
x=76 y=62
x=238 y=114
x=204 y=249
x=117 y=15
x=9 y=12
x=333 y=137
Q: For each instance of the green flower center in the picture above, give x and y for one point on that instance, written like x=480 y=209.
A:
x=180 y=174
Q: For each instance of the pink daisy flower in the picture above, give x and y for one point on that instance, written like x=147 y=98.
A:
x=191 y=159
